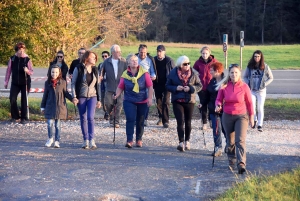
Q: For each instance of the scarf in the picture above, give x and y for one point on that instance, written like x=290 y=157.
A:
x=54 y=83
x=141 y=71
x=184 y=76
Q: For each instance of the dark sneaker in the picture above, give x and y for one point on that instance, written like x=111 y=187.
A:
x=255 y=122
x=13 y=121
x=166 y=125
x=259 y=128
x=23 y=121
x=106 y=116
x=139 y=143
x=241 y=168
x=128 y=145
x=180 y=147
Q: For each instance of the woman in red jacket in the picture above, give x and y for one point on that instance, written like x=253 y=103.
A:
x=235 y=98
x=202 y=66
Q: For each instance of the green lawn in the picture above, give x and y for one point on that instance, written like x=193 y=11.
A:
x=276 y=56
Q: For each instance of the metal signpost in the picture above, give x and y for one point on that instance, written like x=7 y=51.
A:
x=225 y=46
x=241 y=48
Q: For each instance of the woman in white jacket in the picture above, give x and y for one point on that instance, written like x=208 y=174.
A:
x=258 y=75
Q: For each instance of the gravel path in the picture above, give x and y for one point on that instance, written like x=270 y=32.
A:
x=29 y=171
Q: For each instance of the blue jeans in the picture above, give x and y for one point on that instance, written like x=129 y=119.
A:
x=51 y=123
x=86 y=108
x=217 y=129
x=134 y=112
x=146 y=113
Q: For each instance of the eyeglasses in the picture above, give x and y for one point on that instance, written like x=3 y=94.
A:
x=60 y=57
x=104 y=56
x=233 y=65
x=186 y=64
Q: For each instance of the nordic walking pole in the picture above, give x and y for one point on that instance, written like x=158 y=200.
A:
x=241 y=48
x=225 y=47
x=201 y=127
x=115 y=103
x=27 y=106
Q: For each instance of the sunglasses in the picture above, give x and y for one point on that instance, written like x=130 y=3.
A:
x=233 y=65
x=60 y=57
x=104 y=56
x=186 y=64
x=81 y=53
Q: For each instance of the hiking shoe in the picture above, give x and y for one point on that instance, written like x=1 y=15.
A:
x=139 y=143
x=23 y=121
x=166 y=125
x=218 y=152
x=159 y=122
x=106 y=116
x=93 y=144
x=187 y=145
x=49 y=142
x=241 y=168
x=180 y=147
x=146 y=123
x=259 y=128
x=85 y=144
x=204 y=126
x=128 y=145
x=56 y=144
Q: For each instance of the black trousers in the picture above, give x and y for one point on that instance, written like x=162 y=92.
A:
x=183 y=113
x=163 y=103
x=14 y=92
x=204 y=98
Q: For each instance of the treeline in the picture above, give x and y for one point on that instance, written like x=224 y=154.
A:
x=47 y=26
x=205 y=21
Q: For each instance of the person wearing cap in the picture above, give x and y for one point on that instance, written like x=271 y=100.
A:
x=147 y=62
x=20 y=68
x=164 y=65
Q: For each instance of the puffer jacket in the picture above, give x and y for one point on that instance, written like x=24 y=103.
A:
x=194 y=83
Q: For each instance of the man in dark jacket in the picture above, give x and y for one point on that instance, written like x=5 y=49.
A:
x=20 y=67
x=75 y=62
x=164 y=65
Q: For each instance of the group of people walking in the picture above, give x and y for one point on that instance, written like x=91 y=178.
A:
x=227 y=102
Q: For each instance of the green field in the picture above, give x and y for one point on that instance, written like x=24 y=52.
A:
x=276 y=56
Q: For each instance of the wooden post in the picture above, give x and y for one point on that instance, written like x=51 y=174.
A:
x=241 y=48
x=225 y=47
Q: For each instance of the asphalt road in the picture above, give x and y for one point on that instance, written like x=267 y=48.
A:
x=285 y=81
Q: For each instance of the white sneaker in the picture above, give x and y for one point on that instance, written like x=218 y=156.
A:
x=49 y=142
x=180 y=147
x=187 y=145
x=93 y=144
x=85 y=144
x=56 y=144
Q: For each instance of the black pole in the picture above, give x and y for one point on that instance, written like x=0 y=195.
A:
x=115 y=103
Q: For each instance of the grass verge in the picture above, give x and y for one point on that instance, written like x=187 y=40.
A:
x=283 y=186
x=275 y=109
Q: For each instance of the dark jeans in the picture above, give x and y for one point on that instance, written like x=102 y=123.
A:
x=86 y=108
x=183 y=113
x=51 y=124
x=14 y=110
x=102 y=89
x=134 y=112
x=204 y=99
x=217 y=129
x=163 y=103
